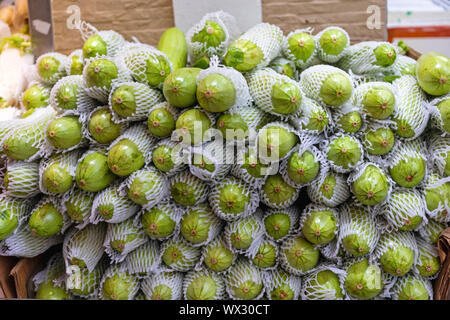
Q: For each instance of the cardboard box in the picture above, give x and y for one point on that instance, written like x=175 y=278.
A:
x=146 y=20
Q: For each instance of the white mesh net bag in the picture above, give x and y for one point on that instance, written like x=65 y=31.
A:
x=101 y=73
x=439 y=118
x=146 y=187
x=122 y=238
x=110 y=206
x=68 y=94
x=200 y=225
x=168 y=157
x=412 y=114
x=57 y=173
x=378 y=100
x=244 y=281
x=216 y=256
x=438 y=151
x=275 y=93
x=314 y=83
x=141 y=137
x=162 y=221
x=428 y=262
x=25 y=244
x=232 y=199
x=358 y=230
x=64 y=132
x=343 y=152
x=21 y=179
x=431 y=231
x=304 y=55
x=147 y=65
x=37 y=94
x=396 y=252
x=331 y=189
x=369 y=57
x=28 y=141
x=379 y=142
x=178 y=255
x=280 y=224
x=404 y=66
x=74 y=64
x=203 y=285
x=319 y=224
x=112 y=40
x=54 y=272
x=266 y=256
x=77 y=205
x=339 y=38
x=405 y=209
x=412 y=287
x=131 y=101
x=245 y=235
x=436 y=198
x=326 y=282
x=87 y=283
x=284 y=67
x=163 y=286
x=84 y=248
x=280 y=285
x=315 y=119
x=118 y=284
x=298 y=256
x=13 y=213
x=349 y=119
x=99 y=127
x=159 y=122
x=188 y=190
x=209 y=39
x=276 y=193
x=211 y=161
x=144 y=260
x=265 y=40
x=48 y=208
x=51 y=67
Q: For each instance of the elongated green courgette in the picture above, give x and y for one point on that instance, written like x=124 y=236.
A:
x=173 y=43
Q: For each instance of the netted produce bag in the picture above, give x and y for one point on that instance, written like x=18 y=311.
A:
x=161 y=119
x=57 y=173
x=212 y=161
x=69 y=94
x=192 y=126
x=131 y=101
x=200 y=225
x=404 y=66
x=327 y=85
x=51 y=67
x=280 y=285
x=275 y=93
x=300 y=47
x=244 y=281
x=349 y=120
x=77 y=205
x=28 y=141
x=163 y=286
x=276 y=193
x=48 y=218
x=378 y=141
x=75 y=63
x=411 y=287
x=266 y=255
x=330 y=189
x=412 y=115
x=13 y=213
x=203 y=285
x=276 y=141
x=376 y=99
x=36 y=95
x=65 y=132
x=162 y=221
x=332 y=44
x=188 y=190
x=428 y=262
x=232 y=199
x=143 y=261
x=22 y=243
x=178 y=255
x=84 y=247
x=298 y=256
x=21 y=179
x=358 y=230
x=92 y=173
x=437 y=197
x=146 y=187
x=326 y=282
x=343 y=152
x=439 y=109
x=245 y=235
x=284 y=67
x=407 y=164
x=168 y=157
x=217 y=256
x=147 y=65
x=431 y=231
x=396 y=252
x=118 y=284
x=100 y=43
x=369 y=57
x=438 y=154
x=279 y=224
x=315 y=119
x=110 y=206
x=211 y=35
x=131 y=150
x=319 y=224
x=49 y=283
x=85 y=283
x=255 y=48
x=100 y=128
x=101 y=73
x=122 y=238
